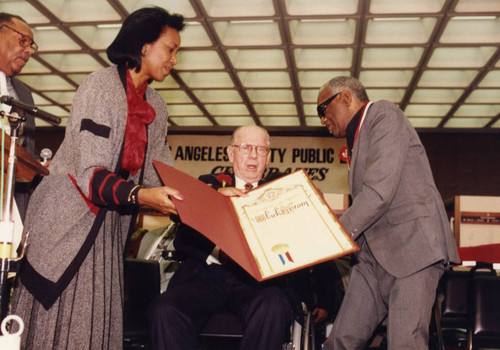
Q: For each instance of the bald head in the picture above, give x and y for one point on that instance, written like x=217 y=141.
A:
x=249 y=129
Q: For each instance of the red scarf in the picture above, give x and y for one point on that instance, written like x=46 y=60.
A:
x=140 y=113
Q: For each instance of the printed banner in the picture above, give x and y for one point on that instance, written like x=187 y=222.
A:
x=319 y=156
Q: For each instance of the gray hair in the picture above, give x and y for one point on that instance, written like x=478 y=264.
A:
x=347 y=83
x=8 y=17
x=236 y=132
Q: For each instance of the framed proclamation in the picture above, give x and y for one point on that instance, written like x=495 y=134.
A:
x=280 y=227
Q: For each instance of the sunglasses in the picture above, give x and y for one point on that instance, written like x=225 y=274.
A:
x=321 y=108
x=24 y=40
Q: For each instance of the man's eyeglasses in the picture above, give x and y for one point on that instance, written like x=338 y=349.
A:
x=24 y=40
x=321 y=108
x=247 y=149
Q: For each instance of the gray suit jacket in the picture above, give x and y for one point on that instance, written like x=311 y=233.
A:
x=396 y=205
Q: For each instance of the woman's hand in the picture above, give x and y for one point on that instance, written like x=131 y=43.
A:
x=232 y=192
x=158 y=198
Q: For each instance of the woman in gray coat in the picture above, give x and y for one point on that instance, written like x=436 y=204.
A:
x=70 y=293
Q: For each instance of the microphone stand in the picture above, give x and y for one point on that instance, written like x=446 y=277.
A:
x=7 y=264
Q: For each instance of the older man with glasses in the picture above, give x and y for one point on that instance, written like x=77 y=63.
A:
x=207 y=282
x=16 y=47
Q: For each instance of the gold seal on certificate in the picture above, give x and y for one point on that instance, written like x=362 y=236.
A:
x=280 y=227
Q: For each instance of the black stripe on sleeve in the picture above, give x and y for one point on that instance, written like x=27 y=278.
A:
x=96 y=129
x=109 y=189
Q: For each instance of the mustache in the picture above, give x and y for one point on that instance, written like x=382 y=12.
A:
x=24 y=57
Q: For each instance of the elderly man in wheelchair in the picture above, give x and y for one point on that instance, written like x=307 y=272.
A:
x=207 y=282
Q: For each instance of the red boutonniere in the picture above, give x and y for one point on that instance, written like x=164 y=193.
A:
x=343 y=154
x=225 y=179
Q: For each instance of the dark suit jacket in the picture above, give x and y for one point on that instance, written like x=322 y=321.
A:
x=193 y=248
x=24 y=94
x=396 y=205
x=22 y=190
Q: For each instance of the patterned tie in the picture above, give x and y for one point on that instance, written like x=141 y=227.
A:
x=248 y=186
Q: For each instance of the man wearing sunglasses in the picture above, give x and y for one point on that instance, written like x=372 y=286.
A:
x=397 y=218
x=16 y=48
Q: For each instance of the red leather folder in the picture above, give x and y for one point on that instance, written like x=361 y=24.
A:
x=213 y=215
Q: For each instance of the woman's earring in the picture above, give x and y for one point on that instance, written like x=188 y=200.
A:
x=144 y=52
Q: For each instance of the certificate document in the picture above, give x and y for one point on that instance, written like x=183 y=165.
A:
x=280 y=227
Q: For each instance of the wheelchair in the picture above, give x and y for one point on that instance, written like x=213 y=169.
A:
x=142 y=285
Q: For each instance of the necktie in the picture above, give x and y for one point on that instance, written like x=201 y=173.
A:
x=248 y=186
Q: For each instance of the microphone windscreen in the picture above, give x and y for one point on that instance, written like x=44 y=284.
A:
x=46 y=154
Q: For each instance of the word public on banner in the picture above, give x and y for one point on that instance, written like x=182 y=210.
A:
x=318 y=156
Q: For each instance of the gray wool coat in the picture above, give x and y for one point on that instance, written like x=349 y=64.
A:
x=58 y=219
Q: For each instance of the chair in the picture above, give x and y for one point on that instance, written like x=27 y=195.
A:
x=484 y=316
x=222 y=331
x=225 y=325
x=453 y=294
x=141 y=286
x=453 y=286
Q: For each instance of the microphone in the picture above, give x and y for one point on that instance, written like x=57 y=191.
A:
x=30 y=109
x=46 y=155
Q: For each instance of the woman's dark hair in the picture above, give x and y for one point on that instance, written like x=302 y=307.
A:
x=141 y=27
